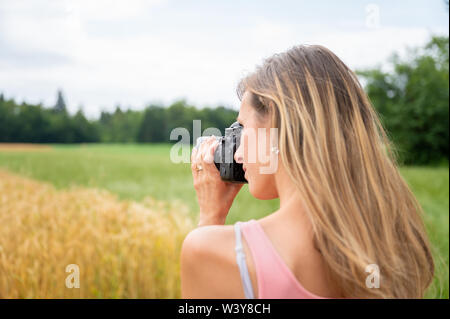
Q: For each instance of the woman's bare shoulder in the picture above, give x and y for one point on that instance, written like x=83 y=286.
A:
x=208 y=264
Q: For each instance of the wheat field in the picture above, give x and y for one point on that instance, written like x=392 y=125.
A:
x=123 y=249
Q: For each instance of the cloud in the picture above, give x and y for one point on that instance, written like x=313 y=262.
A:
x=110 y=9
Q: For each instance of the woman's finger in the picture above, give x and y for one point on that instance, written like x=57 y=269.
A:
x=208 y=160
x=194 y=157
x=205 y=151
x=209 y=156
x=201 y=152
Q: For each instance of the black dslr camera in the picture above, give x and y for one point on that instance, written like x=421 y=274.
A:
x=230 y=171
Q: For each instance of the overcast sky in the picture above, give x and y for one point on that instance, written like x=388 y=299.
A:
x=133 y=52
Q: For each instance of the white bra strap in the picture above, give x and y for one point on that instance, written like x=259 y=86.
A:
x=240 y=258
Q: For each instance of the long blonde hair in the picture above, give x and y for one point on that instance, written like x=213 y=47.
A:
x=339 y=156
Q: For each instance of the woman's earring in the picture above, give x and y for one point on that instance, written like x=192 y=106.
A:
x=275 y=150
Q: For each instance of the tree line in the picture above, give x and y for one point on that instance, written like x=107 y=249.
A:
x=411 y=98
x=20 y=123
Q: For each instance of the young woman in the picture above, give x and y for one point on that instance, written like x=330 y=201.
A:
x=348 y=226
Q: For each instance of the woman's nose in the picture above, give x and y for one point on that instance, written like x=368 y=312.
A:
x=238 y=157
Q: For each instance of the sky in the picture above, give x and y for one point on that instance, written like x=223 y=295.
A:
x=131 y=53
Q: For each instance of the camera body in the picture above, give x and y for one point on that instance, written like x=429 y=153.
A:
x=230 y=171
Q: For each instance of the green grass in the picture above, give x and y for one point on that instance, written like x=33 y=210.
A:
x=430 y=185
x=135 y=171
x=129 y=170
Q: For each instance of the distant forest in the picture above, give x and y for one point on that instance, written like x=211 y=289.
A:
x=38 y=124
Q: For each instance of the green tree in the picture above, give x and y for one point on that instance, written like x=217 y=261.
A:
x=60 y=105
x=412 y=101
x=83 y=130
x=154 y=125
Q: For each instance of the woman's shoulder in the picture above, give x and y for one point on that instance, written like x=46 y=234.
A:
x=208 y=263
x=207 y=241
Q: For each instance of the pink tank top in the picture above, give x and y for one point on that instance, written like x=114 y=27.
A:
x=275 y=279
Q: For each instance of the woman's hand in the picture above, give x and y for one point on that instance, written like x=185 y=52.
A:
x=214 y=195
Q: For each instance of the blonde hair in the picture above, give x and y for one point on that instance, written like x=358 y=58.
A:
x=341 y=160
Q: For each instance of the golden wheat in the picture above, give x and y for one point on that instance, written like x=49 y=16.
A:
x=123 y=249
